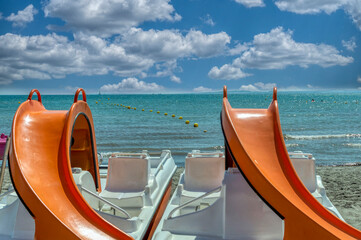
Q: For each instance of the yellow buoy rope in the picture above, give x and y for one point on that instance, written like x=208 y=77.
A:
x=195 y=125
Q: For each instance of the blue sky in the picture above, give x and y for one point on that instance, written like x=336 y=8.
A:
x=138 y=46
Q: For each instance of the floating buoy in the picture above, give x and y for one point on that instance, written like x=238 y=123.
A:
x=143 y=109
x=108 y=98
x=195 y=125
x=205 y=131
x=173 y=115
x=165 y=114
x=135 y=108
x=158 y=112
x=117 y=104
x=19 y=102
x=128 y=107
x=180 y=117
x=96 y=102
x=187 y=121
x=150 y=110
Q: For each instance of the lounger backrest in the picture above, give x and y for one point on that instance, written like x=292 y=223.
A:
x=243 y=205
x=306 y=171
x=127 y=174
x=203 y=173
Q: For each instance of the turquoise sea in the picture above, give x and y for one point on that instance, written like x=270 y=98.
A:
x=329 y=127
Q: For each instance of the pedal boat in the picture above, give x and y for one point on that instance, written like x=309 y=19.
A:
x=135 y=187
x=257 y=191
x=213 y=203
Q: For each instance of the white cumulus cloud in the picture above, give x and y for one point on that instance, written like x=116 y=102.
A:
x=176 y=79
x=202 y=89
x=204 y=45
x=23 y=16
x=208 y=20
x=251 y=3
x=309 y=6
x=349 y=45
x=133 y=54
x=108 y=17
x=54 y=56
x=259 y=86
x=166 y=69
x=351 y=7
x=277 y=50
x=227 y=72
x=238 y=49
x=71 y=89
x=166 y=45
x=131 y=85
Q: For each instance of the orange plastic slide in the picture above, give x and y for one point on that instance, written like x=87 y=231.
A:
x=255 y=142
x=45 y=145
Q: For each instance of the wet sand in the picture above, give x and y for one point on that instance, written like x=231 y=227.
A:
x=343 y=188
x=342 y=183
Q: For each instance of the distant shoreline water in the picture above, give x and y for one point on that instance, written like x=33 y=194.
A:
x=329 y=128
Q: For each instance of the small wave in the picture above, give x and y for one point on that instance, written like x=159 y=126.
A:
x=212 y=148
x=356 y=145
x=351 y=164
x=292 y=145
x=217 y=148
x=312 y=137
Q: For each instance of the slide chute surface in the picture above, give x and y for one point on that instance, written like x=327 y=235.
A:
x=255 y=142
x=45 y=145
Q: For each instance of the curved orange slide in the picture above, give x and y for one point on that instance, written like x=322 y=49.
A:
x=45 y=145
x=255 y=142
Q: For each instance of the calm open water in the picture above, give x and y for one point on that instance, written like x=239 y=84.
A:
x=329 y=128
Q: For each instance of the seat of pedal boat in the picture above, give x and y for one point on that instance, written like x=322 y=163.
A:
x=203 y=173
x=304 y=164
x=237 y=213
x=127 y=182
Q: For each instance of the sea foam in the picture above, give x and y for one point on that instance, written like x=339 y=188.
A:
x=312 y=137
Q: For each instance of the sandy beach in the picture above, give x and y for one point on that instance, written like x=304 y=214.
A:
x=343 y=187
x=342 y=183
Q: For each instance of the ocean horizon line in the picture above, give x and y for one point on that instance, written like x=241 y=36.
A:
x=216 y=92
